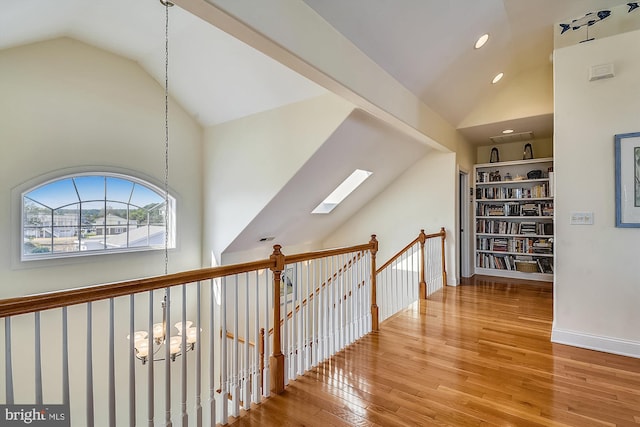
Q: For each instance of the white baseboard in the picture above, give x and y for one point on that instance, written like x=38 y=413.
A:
x=594 y=342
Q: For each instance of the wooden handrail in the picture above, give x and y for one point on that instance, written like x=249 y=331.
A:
x=403 y=250
x=40 y=302
x=46 y=301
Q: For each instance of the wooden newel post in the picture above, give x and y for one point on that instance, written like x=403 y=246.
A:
x=444 y=267
x=422 y=238
x=276 y=361
x=423 y=283
x=374 y=305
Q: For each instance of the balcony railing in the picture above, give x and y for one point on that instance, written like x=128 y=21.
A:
x=254 y=327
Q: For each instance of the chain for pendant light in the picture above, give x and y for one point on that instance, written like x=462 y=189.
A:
x=167 y=5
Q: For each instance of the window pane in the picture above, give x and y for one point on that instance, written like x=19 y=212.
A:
x=90 y=187
x=92 y=213
x=65 y=239
x=145 y=197
x=157 y=215
x=117 y=225
x=55 y=194
x=66 y=229
x=37 y=228
x=119 y=189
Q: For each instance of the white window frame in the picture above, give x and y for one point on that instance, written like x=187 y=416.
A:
x=171 y=242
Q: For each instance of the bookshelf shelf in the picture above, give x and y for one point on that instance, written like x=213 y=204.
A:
x=514 y=219
x=513 y=253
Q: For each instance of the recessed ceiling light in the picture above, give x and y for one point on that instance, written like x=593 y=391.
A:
x=481 y=41
x=341 y=192
x=497 y=78
x=507 y=131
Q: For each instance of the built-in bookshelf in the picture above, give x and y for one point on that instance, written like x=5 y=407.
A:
x=513 y=217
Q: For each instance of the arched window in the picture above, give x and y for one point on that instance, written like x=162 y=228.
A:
x=94 y=213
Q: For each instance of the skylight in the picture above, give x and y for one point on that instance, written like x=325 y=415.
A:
x=341 y=192
x=481 y=41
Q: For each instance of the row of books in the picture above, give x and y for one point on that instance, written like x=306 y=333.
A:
x=523 y=245
x=537 y=191
x=509 y=262
x=482 y=176
x=514 y=209
x=493 y=226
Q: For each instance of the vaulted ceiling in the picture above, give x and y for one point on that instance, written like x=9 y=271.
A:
x=425 y=45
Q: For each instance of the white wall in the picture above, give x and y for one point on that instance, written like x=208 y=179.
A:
x=247 y=161
x=68 y=106
x=597 y=286
x=422 y=198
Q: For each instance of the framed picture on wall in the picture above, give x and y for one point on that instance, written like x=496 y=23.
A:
x=627 y=154
x=286 y=286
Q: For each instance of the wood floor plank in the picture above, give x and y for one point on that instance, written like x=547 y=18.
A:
x=474 y=355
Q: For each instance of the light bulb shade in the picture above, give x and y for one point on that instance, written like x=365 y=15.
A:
x=138 y=335
x=174 y=345
x=179 y=327
x=158 y=330
x=192 y=335
x=142 y=348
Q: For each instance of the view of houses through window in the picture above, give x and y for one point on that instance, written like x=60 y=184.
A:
x=92 y=212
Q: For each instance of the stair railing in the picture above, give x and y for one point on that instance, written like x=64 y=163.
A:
x=415 y=272
x=199 y=375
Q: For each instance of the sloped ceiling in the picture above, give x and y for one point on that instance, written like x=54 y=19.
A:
x=212 y=75
x=427 y=45
x=359 y=142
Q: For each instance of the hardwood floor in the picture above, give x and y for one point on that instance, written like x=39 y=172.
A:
x=474 y=355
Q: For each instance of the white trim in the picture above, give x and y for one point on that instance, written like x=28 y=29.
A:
x=594 y=342
x=17 y=192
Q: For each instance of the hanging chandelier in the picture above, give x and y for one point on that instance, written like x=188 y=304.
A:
x=141 y=339
x=146 y=348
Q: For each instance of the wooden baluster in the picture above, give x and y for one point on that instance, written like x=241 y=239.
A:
x=132 y=362
x=7 y=362
x=321 y=312
x=38 y=357
x=276 y=361
x=246 y=371
x=261 y=350
x=235 y=354
x=112 y=365
x=224 y=379
x=89 y=367
x=310 y=324
x=183 y=368
x=150 y=376
x=198 y=348
x=256 y=380
x=266 y=374
x=167 y=358
x=212 y=340
x=374 y=305
x=444 y=268
x=65 y=356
